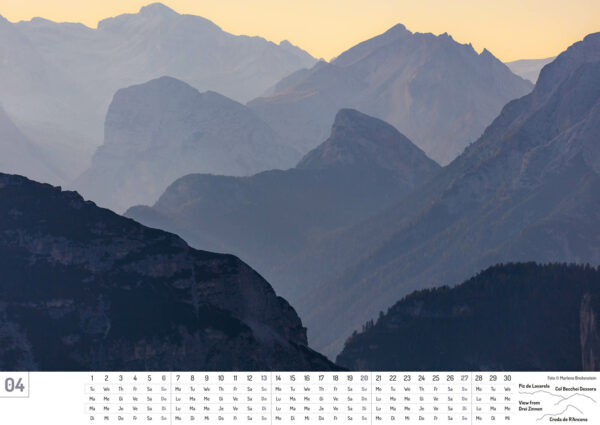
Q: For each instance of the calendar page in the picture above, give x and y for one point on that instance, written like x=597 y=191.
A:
x=263 y=212
x=300 y=397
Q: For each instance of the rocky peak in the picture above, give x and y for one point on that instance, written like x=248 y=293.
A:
x=146 y=107
x=159 y=111
x=149 y=17
x=287 y=45
x=485 y=53
x=158 y=131
x=396 y=30
x=157 y=9
x=567 y=93
x=360 y=140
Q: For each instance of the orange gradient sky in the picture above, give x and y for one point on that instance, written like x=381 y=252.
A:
x=511 y=29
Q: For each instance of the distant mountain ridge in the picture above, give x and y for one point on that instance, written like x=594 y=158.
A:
x=161 y=130
x=266 y=219
x=513 y=317
x=59 y=78
x=439 y=93
x=529 y=68
x=527 y=190
x=86 y=289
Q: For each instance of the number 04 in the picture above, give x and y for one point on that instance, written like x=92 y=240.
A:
x=10 y=386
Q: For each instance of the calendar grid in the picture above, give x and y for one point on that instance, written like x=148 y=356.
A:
x=374 y=398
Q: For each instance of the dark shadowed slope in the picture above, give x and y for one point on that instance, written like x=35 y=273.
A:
x=528 y=189
x=161 y=130
x=364 y=166
x=509 y=317
x=439 y=93
x=82 y=288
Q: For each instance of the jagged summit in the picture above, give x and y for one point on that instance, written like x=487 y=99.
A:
x=397 y=29
x=486 y=53
x=290 y=47
x=440 y=93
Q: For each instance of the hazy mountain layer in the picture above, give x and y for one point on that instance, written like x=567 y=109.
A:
x=528 y=189
x=85 y=289
x=364 y=166
x=159 y=131
x=440 y=93
x=20 y=155
x=510 y=317
x=529 y=68
x=57 y=79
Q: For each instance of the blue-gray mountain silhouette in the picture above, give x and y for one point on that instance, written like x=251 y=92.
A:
x=439 y=93
x=57 y=79
x=529 y=68
x=267 y=219
x=527 y=190
x=161 y=130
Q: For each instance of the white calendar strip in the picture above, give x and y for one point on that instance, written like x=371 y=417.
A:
x=300 y=398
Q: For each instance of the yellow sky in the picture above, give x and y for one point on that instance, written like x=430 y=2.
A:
x=511 y=29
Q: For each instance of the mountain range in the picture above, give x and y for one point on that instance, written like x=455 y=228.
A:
x=527 y=190
x=86 y=289
x=130 y=113
x=58 y=79
x=513 y=317
x=364 y=166
x=161 y=130
x=439 y=93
